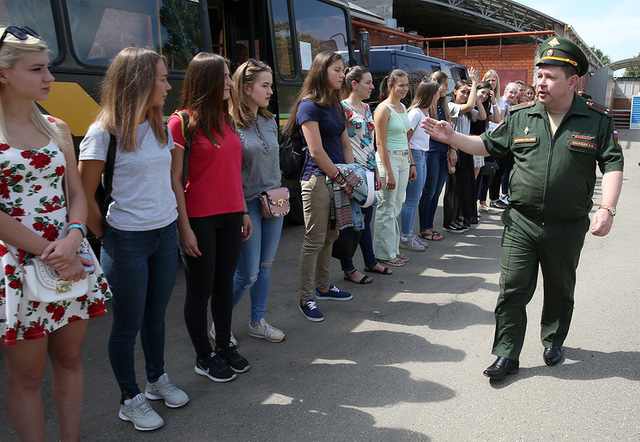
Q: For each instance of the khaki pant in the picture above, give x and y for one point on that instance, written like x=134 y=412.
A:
x=315 y=256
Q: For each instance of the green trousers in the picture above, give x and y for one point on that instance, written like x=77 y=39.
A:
x=527 y=245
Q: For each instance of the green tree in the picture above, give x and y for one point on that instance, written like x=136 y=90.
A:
x=633 y=71
x=604 y=59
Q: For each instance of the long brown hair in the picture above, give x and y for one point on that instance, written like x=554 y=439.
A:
x=442 y=79
x=240 y=107
x=202 y=95
x=427 y=89
x=126 y=89
x=315 y=87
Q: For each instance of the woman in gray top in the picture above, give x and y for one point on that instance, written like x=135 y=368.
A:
x=258 y=131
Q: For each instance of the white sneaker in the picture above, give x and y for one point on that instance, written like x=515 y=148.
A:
x=411 y=243
x=212 y=334
x=423 y=242
x=163 y=388
x=266 y=331
x=139 y=412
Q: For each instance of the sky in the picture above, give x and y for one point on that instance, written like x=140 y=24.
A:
x=612 y=26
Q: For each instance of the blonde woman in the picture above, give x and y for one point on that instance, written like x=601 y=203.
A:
x=38 y=218
x=395 y=164
x=139 y=236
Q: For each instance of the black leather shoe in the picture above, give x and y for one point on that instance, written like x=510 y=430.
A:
x=501 y=368
x=553 y=356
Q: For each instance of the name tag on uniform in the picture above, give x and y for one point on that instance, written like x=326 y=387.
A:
x=525 y=140
x=585 y=144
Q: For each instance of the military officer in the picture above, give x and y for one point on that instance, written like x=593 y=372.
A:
x=557 y=141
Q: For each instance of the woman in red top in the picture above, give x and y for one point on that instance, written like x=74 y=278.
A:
x=213 y=218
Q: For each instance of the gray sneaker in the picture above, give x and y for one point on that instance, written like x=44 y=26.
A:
x=411 y=243
x=212 y=334
x=140 y=413
x=266 y=331
x=422 y=242
x=163 y=388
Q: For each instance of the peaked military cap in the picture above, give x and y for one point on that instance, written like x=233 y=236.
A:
x=561 y=52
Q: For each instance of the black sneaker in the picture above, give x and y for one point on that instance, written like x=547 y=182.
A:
x=454 y=228
x=499 y=204
x=235 y=361
x=215 y=368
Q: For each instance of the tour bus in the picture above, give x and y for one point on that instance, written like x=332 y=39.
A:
x=85 y=35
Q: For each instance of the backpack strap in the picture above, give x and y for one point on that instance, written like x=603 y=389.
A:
x=186 y=134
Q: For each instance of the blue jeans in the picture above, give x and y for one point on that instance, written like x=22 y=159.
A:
x=414 y=192
x=366 y=244
x=256 y=257
x=141 y=269
x=436 y=177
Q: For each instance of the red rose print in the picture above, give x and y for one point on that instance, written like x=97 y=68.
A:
x=7 y=172
x=39 y=227
x=2 y=293
x=10 y=335
x=38 y=187
x=58 y=313
x=3 y=250
x=50 y=232
x=105 y=286
x=17 y=211
x=17 y=178
x=15 y=284
x=74 y=318
x=55 y=199
x=9 y=269
x=35 y=304
x=96 y=309
x=40 y=160
x=50 y=308
x=21 y=256
x=34 y=332
x=83 y=298
x=4 y=146
x=26 y=154
x=60 y=170
x=4 y=189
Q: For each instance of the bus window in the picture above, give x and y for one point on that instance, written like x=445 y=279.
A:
x=34 y=14
x=101 y=28
x=320 y=27
x=282 y=31
x=246 y=31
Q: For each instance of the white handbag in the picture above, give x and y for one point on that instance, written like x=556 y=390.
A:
x=41 y=284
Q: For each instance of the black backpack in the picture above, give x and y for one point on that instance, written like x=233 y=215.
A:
x=292 y=153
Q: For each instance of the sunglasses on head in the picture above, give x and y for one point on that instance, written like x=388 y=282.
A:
x=254 y=62
x=19 y=33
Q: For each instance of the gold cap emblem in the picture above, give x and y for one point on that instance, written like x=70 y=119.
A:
x=554 y=42
x=549 y=52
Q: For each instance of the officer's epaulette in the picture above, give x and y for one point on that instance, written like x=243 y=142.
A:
x=521 y=106
x=599 y=108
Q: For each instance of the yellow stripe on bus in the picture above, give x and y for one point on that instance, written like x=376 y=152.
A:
x=70 y=103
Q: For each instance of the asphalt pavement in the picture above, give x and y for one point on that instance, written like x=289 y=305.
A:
x=403 y=360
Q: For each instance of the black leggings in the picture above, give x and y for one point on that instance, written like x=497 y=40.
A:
x=210 y=276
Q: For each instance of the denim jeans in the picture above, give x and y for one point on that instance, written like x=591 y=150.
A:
x=436 y=177
x=414 y=191
x=366 y=244
x=256 y=257
x=141 y=269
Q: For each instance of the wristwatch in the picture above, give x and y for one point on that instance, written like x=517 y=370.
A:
x=610 y=209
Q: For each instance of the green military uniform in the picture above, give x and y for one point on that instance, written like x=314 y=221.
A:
x=550 y=191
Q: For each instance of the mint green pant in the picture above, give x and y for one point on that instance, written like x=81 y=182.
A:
x=526 y=245
x=386 y=232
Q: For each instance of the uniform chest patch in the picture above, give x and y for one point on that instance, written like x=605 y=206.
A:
x=585 y=144
x=525 y=140
x=583 y=137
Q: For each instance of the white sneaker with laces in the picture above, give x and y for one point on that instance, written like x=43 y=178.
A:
x=212 y=334
x=139 y=412
x=266 y=331
x=410 y=243
x=163 y=388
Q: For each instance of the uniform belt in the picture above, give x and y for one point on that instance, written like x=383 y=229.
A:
x=399 y=152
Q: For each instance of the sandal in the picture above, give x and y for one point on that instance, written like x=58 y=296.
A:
x=403 y=258
x=384 y=271
x=364 y=280
x=431 y=235
x=395 y=262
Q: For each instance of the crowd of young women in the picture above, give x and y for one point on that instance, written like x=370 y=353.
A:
x=194 y=186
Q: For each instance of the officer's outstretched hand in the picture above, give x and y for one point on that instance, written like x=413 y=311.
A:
x=601 y=223
x=438 y=130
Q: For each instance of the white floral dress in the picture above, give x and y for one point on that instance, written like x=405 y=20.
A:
x=31 y=191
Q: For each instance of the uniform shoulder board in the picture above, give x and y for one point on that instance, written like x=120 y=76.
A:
x=521 y=106
x=598 y=108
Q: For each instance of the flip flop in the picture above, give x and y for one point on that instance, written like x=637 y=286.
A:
x=384 y=271
x=431 y=235
x=364 y=280
x=395 y=262
x=402 y=257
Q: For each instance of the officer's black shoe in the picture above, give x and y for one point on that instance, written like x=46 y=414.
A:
x=501 y=368
x=498 y=204
x=553 y=356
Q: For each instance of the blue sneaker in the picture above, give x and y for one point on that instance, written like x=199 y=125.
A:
x=334 y=294
x=311 y=311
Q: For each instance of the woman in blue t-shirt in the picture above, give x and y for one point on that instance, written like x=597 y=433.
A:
x=319 y=115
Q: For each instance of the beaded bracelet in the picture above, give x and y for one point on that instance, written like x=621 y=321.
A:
x=77 y=225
